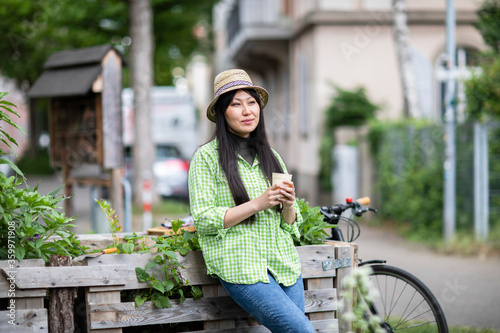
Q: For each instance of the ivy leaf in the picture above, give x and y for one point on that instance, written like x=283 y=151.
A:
x=168 y=284
x=128 y=248
x=151 y=264
x=139 y=300
x=182 y=298
x=20 y=252
x=170 y=254
x=159 y=286
x=142 y=275
x=183 y=251
x=176 y=225
x=196 y=292
x=162 y=302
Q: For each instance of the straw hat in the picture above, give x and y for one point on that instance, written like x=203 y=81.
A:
x=233 y=79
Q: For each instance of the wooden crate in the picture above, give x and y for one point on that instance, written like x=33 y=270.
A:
x=24 y=310
x=216 y=309
x=106 y=276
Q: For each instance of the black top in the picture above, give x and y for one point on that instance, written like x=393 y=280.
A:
x=245 y=148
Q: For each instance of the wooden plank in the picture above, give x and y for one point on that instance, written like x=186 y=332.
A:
x=30 y=302
x=110 y=297
x=33 y=320
x=10 y=269
x=72 y=276
x=204 y=309
x=215 y=290
x=318 y=284
x=320 y=326
x=194 y=269
x=320 y=300
x=311 y=260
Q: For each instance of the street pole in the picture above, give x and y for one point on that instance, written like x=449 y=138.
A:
x=449 y=201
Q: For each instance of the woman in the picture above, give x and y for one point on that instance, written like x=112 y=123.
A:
x=244 y=225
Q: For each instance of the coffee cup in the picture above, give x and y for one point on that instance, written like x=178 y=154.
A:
x=279 y=178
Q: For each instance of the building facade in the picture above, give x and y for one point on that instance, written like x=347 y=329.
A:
x=299 y=49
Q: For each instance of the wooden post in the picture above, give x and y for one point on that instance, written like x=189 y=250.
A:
x=61 y=301
x=344 y=250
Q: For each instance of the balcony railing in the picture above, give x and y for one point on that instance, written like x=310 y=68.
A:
x=253 y=13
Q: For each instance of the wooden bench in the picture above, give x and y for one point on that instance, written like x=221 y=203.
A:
x=106 y=276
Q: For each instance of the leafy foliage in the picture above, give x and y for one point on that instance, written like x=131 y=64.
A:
x=488 y=23
x=114 y=223
x=171 y=284
x=483 y=96
x=34 y=218
x=5 y=112
x=27 y=218
x=312 y=230
x=347 y=108
x=36 y=29
x=410 y=175
x=358 y=294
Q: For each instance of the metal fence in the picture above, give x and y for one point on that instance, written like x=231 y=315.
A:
x=411 y=148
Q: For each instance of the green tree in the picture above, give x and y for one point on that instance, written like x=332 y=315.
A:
x=483 y=95
x=35 y=29
x=489 y=23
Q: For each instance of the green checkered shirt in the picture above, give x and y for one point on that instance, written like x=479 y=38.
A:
x=245 y=252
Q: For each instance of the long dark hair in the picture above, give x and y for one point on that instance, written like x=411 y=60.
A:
x=227 y=147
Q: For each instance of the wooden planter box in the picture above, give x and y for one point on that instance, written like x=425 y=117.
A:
x=104 y=277
x=24 y=308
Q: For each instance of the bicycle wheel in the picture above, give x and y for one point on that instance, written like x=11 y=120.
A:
x=405 y=303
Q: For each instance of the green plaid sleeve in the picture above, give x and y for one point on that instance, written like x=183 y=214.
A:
x=208 y=215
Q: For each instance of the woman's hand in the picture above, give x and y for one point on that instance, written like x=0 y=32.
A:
x=270 y=198
x=287 y=192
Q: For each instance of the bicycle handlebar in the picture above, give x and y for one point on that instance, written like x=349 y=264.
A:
x=332 y=213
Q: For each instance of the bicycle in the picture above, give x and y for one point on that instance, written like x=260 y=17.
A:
x=404 y=302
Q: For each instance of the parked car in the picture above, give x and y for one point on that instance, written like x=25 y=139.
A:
x=170 y=171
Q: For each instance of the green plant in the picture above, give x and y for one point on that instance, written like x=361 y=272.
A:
x=28 y=219
x=170 y=284
x=312 y=230
x=5 y=110
x=409 y=174
x=114 y=223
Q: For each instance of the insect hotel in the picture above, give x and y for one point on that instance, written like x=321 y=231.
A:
x=84 y=87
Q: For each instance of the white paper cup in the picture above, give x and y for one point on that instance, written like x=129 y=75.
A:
x=278 y=178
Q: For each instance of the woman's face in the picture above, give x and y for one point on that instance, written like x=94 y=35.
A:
x=242 y=114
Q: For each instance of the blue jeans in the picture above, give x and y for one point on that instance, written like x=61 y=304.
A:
x=279 y=308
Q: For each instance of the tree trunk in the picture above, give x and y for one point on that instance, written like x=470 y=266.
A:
x=141 y=31
x=61 y=318
x=406 y=70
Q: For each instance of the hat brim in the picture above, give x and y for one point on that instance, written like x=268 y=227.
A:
x=263 y=94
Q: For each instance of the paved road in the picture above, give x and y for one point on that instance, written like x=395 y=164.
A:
x=468 y=289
